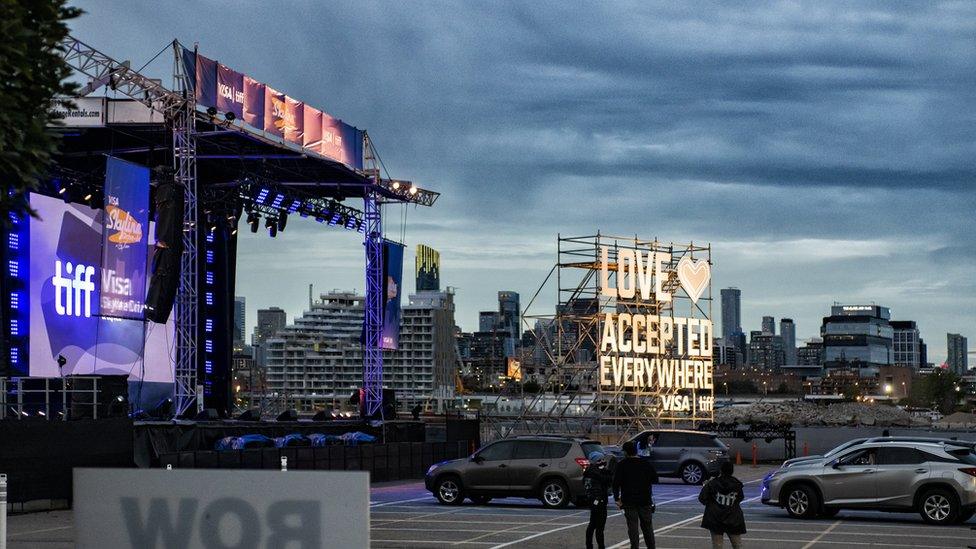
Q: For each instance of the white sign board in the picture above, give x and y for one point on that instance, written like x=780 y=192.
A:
x=155 y=508
x=81 y=112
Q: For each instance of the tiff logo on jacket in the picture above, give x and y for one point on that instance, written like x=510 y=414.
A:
x=78 y=289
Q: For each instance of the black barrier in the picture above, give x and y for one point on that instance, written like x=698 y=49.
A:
x=38 y=456
x=385 y=462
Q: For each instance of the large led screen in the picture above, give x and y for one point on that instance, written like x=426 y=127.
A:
x=66 y=282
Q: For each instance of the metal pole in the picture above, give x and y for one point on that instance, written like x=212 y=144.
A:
x=3 y=511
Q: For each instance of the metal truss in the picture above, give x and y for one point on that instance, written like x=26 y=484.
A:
x=187 y=305
x=373 y=325
x=102 y=68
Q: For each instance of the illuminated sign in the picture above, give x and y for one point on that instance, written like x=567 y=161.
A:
x=645 y=345
x=76 y=291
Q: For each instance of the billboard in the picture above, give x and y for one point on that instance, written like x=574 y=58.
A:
x=428 y=269
x=67 y=283
x=124 y=239
x=392 y=288
x=273 y=112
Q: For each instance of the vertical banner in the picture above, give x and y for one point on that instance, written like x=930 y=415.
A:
x=392 y=288
x=331 y=138
x=352 y=146
x=274 y=111
x=254 y=102
x=294 y=121
x=230 y=91
x=312 y=138
x=206 y=88
x=124 y=240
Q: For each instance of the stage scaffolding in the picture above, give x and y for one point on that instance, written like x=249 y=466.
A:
x=188 y=125
x=568 y=345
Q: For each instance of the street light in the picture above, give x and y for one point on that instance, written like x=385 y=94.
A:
x=887 y=388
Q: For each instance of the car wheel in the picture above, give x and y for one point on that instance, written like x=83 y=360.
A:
x=692 y=473
x=802 y=502
x=480 y=500
x=554 y=493
x=448 y=491
x=939 y=506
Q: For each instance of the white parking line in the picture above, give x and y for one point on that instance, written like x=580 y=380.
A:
x=673 y=526
x=385 y=503
x=822 y=534
x=41 y=531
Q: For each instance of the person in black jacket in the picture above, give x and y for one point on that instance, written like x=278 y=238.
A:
x=596 y=482
x=632 y=491
x=722 y=497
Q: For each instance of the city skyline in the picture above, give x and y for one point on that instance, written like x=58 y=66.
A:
x=823 y=158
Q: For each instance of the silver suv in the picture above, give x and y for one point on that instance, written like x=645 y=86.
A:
x=547 y=467
x=692 y=456
x=936 y=478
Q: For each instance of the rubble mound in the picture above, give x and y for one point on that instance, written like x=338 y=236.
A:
x=800 y=413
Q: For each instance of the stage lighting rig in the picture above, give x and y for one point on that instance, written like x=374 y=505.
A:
x=406 y=191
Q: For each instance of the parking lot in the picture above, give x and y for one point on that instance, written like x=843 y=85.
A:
x=403 y=514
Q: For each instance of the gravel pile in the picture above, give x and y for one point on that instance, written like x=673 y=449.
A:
x=801 y=413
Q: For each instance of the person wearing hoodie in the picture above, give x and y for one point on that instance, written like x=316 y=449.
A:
x=722 y=497
x=596 y=483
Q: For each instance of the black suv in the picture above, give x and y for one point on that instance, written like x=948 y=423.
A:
x=692 y=456
x=546 y=467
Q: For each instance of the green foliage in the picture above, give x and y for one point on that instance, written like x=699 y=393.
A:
x=32 y=74
x=938 y=390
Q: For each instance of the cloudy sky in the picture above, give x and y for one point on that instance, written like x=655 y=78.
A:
x=824 y=149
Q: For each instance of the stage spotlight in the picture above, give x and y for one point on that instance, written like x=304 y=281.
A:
x=88 y=197
x=282 y=221
x=62 y=189
x=272 y=227
x=396 y=185
x=229 y=116
x=212 y=111
x=254 y=222
x=413 y=190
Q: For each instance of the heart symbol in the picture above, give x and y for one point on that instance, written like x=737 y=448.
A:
x=694 y=276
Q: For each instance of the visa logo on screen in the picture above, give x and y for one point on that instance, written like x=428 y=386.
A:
x=78 y=288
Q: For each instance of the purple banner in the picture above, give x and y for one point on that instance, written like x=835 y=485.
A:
x=274 y=111
x=312 y=138
x=254 y=102
x=392 y=288
x=294 y=120
x=206 y=89
x=124 y=239
x=230 y=91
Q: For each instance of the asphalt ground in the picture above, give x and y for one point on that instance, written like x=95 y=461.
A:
x=403 y=514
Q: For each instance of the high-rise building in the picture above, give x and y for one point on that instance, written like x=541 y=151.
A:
x=957 y=355
x=766 y=351
x=270 y=322
x=787 y=330
x=510 y=315
x=731 y=312
x=428 y=269
x=906 y=344
x=769 y=325
x=318 y=361
x=240 y=310
x=857 y=336
x=488 y=321
x=811 y=354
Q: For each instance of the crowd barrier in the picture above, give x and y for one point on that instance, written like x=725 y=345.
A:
x=384 y=462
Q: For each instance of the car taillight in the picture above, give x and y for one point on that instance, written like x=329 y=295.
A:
x=971 y=471
x=583 y=462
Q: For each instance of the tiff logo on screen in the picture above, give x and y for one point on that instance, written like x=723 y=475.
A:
x=77 y=290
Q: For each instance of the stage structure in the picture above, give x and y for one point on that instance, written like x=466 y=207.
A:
x=230 y=160
x=629 y=346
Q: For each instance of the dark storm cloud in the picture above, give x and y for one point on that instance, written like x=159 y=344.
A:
x=825 y=148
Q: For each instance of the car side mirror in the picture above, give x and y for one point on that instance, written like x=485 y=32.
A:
x=835 y=464
x=477 y=459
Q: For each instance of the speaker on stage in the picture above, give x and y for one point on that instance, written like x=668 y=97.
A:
x=109 y=394
x=169 y=251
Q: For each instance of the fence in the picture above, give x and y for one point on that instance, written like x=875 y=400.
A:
x=385 y=462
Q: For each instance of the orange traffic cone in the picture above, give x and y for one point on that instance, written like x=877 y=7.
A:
x=755 y=455
x=738 y=457
x=806 y=449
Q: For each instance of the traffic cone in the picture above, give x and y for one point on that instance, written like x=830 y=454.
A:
x=755 y=455
x=738 y=457
x=806 y=449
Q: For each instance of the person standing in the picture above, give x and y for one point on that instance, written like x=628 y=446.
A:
x=722 y=497
x=632 y=483
x=596 y=483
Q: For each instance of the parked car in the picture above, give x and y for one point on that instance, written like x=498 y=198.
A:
x=850 y=443
x=546 y=467
x=935 y=478
x=692 y=456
